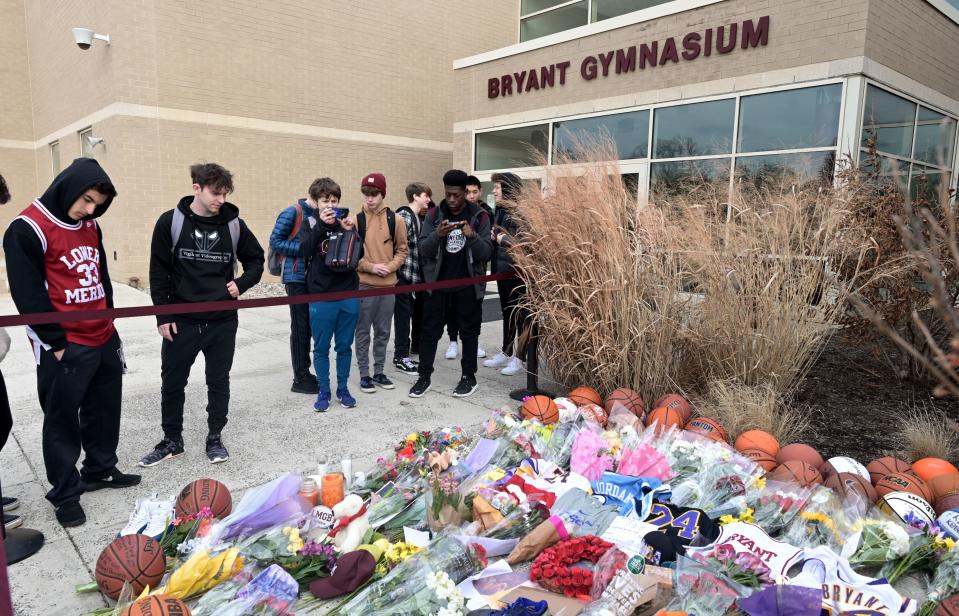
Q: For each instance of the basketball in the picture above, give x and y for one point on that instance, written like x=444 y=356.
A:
x=901 y=504
x=540 y=408
x=568 y=411
x=629 y=399
x=844 y=464
x=944 y=484
x=204 y=493
x=903 y=482
x=801 y=452
x=928 y=469
x=883 y=466
x=707 y=427
x=797 y=472
x=677 y=403
x=664 y=417
x=585 y=395
x=948 y=607
x=137 y=559
x=594 y=413
x=844 y=484
x=761 y=457
x=757 y=439
x=947 y=502
x=157 y=605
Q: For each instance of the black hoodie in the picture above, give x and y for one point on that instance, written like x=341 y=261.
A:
x=26 y=271
x=203 y=262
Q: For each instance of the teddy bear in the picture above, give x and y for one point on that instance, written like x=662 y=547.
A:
x=350 y=523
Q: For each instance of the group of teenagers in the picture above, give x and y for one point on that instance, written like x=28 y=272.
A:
x=202 y=251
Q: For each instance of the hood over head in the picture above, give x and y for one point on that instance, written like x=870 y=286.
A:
x=71 y=183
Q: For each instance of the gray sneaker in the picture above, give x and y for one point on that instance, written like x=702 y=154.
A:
x=164 y=450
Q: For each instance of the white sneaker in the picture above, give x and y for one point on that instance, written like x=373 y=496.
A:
x=498 y=361
x=452 y=350
x=480 y=352
x=161 y=514
x=513 y=367
x=139 y=517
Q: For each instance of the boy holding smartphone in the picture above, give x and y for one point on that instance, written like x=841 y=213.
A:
x=336 y=320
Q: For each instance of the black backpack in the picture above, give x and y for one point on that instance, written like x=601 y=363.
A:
x=390 y=222
x=343 y=250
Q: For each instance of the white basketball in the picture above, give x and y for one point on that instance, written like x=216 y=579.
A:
x=844 y=464
x=568 y=411
x=949 y=523
x=901 y=504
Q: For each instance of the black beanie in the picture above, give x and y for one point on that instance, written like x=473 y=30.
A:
x=455 y=177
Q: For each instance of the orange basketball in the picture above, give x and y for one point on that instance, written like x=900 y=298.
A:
x=677 y=403
x=883 y=466
x=664 y=417
x=761 y=457
x=540 y=408
x=585 y=395
x=707 y=427
x=928 y=469
x=157 y=605
x=757 y=439
x=137 y=559
x=204 y=493
x=629 y=399
x=801 y=452
x=944 y=484
x=903 y=482
x=594 y=413
x=844 y=484
x=797 y=472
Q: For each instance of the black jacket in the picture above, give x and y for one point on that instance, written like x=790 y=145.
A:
x=26 y=271
x=203 y=262
x=501 y=260
x=479 y=247
x=314 y=234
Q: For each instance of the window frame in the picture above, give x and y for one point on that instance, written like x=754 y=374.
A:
x=83 y=133
x=55 y=160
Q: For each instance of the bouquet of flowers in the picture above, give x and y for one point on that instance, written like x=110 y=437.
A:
x=183 y=529
x=519 y=522
x=945 y=582
x=272 y=592
x=592 y=454
x=529 y=434
x=554 y=569
x=443 y=501
x=701 y=591
x=304 y=560
x=775 y=504
x=822 y=522
x=560 y=446
x=876 y=543
x=743 y=568
x=389 y=502
x=716 y=484
x=925 y=550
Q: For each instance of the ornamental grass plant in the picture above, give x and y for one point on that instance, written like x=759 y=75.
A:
x=739 y=286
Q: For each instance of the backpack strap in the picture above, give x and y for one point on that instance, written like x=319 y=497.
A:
x=176 y=227
x=234 y=226
x=390 y=222
x=361 y=224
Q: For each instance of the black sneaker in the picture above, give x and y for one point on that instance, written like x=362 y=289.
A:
x=466 y=386
x=164 y=450
x=381 y=381
x=71 y=514
x=215 y=451
x=367 y=385
x=406 y=365
x=420 y=387
x=115 y=479
x=11 y=521
x=9 y=503
x=305 y=386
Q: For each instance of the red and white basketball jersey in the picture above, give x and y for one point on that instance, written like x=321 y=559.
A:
x=72 y=270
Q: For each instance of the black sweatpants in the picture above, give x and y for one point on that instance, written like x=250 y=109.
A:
x=468 y=312
x=416 y=326
x=452 y=325
x=217 y=341
x=407 y=322
x=515 y=318
x=80 y=396
x=300 y=336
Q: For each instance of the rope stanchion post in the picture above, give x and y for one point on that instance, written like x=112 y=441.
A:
x=532 y=370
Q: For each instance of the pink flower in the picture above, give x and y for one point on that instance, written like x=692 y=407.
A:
x=724 y=552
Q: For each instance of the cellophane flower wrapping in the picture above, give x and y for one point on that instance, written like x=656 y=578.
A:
x=721 y=479
x=776 y=504
x=262 y=507
x=944 y=584
x=822 y=522
x=700 y=590
x=272 y=592
x=592 y=454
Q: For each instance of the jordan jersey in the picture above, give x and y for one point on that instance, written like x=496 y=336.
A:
x=845 y=591
x=72 y=272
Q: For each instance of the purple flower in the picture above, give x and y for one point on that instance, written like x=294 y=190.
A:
x=724 y=553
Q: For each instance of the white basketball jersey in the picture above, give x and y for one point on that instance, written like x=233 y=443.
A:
x=844 y=590
x=744 y=537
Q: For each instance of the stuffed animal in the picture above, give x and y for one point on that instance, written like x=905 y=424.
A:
x=351 y=523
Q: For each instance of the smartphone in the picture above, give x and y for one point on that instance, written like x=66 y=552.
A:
x=341 y=212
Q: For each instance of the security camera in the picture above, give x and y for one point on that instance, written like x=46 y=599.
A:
x=84 y=38
x=94 y=141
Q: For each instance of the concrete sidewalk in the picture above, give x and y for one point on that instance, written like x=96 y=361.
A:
x=271 y=430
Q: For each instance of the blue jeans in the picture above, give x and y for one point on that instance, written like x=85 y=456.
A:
x=333 y=321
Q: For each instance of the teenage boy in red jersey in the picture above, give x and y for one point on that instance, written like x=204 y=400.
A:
x=56 y=262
